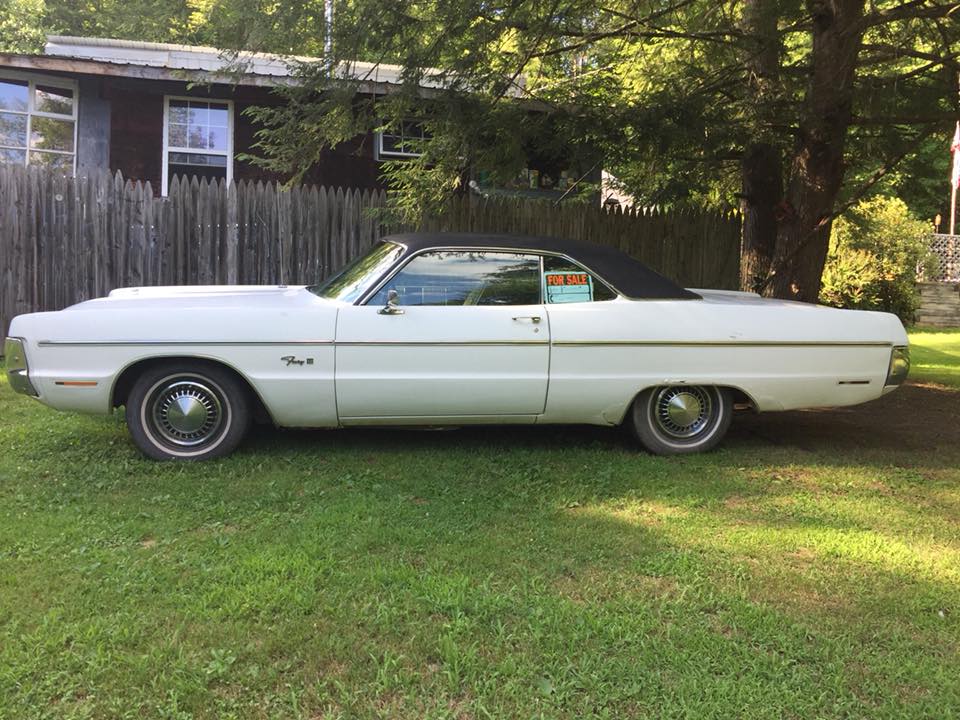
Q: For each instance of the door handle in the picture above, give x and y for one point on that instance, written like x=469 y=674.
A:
x=532 y=318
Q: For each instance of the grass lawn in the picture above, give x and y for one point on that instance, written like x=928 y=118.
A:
x=810 y=568
x=935 y=356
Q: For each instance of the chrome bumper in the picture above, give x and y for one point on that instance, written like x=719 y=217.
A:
x=18 y=372
x=899 y=366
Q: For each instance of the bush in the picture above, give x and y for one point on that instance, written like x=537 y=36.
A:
x=875 y=251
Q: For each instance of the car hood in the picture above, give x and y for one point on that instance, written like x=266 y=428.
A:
x=222 y=314
x=193 y=296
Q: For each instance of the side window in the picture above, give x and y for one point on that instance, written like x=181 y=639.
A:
x=464 y=277
x=564 y=282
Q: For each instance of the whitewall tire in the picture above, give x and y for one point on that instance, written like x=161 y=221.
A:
x=186 y=411
x=680 y=419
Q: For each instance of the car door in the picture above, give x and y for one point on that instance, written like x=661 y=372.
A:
x=466 y=337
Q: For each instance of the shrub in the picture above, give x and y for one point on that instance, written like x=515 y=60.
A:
x=875 y=251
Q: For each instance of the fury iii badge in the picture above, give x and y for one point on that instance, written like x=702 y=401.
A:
x=293 y=360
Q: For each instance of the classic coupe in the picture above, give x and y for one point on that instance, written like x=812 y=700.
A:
x=450 y=330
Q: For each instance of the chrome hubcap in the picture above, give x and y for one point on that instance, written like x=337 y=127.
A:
x=682 y=412
x=186 y=412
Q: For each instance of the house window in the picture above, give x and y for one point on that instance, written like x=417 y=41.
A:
x=38 y=122
x=404 y=140
x=197 y=139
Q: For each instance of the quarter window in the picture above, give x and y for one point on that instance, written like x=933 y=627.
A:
x=38 y=122
x=197 y=139
x=466 y=277
x=565 y=282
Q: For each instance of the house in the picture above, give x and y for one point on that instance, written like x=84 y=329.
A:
x=153 y=110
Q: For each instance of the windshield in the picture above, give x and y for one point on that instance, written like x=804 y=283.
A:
x=350 y=283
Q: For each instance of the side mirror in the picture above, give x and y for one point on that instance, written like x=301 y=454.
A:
x=393 y=304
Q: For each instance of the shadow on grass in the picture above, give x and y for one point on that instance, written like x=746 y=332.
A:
x=916 y=424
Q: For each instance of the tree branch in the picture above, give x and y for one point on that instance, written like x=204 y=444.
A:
x=915 y=10
x=886 y=51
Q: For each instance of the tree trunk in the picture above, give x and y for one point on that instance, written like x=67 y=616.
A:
x=817 y=167
x=761 y=169
x=762 y=191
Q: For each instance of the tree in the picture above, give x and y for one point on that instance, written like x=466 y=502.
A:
x=796 y=98
x=793 y=109
x=20 y=25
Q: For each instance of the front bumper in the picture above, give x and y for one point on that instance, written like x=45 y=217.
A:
x=18 y=371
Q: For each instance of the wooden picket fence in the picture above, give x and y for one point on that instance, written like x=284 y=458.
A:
x=64 y=240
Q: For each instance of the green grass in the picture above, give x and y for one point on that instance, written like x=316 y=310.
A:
x=935 y=356
x=554 y=573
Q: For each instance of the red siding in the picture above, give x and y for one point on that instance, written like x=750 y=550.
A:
x=351 y=164
x=136 y=142
x=136 y=133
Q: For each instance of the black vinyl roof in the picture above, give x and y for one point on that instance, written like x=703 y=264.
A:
x=629 y=277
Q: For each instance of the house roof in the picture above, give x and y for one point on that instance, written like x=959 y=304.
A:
x=165 y=61
x=628 y=276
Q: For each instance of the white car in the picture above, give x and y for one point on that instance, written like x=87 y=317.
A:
x=451 y=329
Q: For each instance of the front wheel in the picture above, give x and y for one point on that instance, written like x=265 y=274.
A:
x=679 y=419
x=184 y=411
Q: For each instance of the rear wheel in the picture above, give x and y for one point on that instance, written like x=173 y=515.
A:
x=187 y=412
x=679 y=419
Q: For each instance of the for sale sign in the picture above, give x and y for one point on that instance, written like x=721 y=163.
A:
x=567 y=287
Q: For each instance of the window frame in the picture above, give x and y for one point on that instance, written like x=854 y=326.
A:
x=167 y=148
x=398 y=154
x=367 y=296
x=32 y=81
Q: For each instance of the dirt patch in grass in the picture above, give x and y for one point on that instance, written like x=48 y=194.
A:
x=917 y=417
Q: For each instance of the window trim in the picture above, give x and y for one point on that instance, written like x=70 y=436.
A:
x=167 y=149
x=377 y=286
x=396 y=154
x=33 y=80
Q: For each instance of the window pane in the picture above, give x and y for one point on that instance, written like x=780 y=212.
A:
x=178 y=112
x=49 y=134
x=13 y=95
x=177 y=135
x=15 y=157
x=391 y=143
x=53 y=100
x=197 y=137
x=566 y=282
x=466 y=278
x=199 y=115
x=217 y=138
x=182 y=158
x=219 y=115
x=53 y=161
x=13 y=129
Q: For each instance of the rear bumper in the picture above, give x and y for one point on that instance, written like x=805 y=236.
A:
x=18 y=370
x=899 y=367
